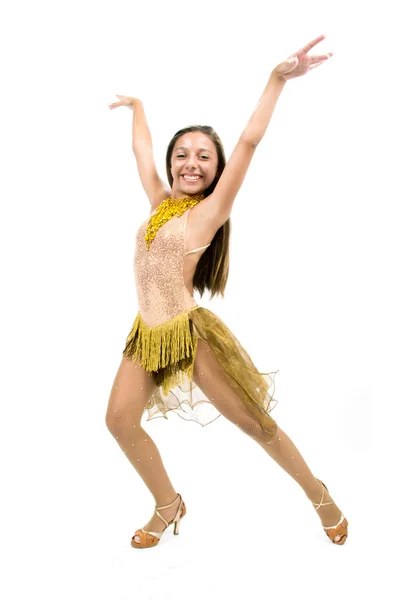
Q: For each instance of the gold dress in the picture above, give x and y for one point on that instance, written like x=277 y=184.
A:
x=165 y=339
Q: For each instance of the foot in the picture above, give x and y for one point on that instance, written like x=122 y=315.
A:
x=329 y=515
x=156 y=524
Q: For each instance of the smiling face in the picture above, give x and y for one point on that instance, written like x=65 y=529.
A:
x=194 y=163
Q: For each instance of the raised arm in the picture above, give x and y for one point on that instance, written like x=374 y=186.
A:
x=142 y=147
x=219 y=203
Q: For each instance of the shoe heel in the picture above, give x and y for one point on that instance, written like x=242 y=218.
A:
x=181 y=513
x=176 y=527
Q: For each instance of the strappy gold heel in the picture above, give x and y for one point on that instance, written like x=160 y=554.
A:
x=340 y=529
x=151 y=538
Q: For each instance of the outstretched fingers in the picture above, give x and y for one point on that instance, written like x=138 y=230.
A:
x=313 y=43
x=316 y=65
x=315 y=61
x=320 y=57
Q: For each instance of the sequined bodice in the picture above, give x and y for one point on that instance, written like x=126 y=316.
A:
x=160 y=286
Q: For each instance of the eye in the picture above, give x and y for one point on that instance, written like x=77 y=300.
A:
x=182 y=155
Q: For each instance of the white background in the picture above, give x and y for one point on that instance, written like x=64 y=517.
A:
x=313 y=292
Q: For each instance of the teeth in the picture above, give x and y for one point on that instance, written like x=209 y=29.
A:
x=190 y=178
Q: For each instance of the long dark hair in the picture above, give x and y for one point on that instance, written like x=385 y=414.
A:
x=213 y=267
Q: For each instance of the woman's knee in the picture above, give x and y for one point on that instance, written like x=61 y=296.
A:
x=122 y=417
x=251 y=427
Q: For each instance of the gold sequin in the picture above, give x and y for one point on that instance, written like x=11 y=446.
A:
x=165 y=211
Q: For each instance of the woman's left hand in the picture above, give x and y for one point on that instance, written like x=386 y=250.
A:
x=299 y=63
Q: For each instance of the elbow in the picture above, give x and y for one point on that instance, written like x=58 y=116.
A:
x=250 y=141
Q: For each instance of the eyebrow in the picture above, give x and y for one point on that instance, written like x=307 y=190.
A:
x=185 y=148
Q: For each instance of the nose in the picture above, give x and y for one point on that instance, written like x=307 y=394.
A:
x=191 y=162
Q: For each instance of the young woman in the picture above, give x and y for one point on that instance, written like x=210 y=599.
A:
x=180 y=356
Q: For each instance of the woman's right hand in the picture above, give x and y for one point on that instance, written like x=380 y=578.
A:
x=123 y=101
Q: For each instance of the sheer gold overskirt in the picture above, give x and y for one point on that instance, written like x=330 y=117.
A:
x=169 y=352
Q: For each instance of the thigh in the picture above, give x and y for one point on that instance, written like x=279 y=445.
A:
x=131 y=391
x=210 y=377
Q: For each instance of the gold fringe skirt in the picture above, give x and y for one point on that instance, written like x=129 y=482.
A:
x=168 y=351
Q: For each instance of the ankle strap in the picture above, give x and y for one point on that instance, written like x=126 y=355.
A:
x=317 y=506
x=168 y=505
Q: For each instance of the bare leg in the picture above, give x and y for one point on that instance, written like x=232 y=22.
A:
x=209 y=376
x=284 y=452
x=130 y=393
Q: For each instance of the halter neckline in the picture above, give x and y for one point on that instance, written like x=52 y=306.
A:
x=194 y=197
